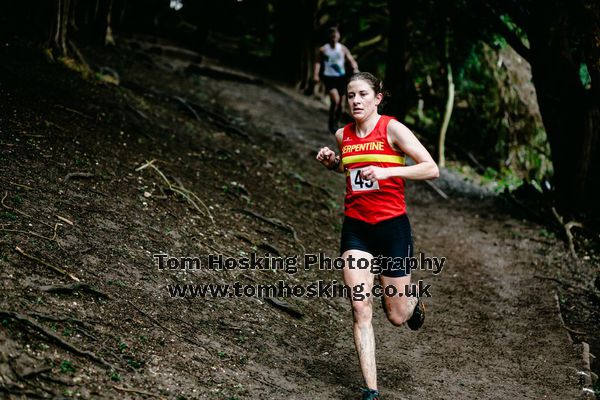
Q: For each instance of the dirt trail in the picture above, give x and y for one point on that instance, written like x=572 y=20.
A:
x=492 y=330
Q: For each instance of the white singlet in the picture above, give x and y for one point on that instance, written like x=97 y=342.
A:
x=333 y=60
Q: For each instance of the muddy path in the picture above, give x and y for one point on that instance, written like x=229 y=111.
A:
x=492 y=329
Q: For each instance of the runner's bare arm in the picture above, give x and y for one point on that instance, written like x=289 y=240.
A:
x=317 y=66
x=339 y=135
x=350 y=59
x=400 y=137
x=327 y=157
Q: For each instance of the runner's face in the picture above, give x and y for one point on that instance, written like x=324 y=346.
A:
x=362 y=100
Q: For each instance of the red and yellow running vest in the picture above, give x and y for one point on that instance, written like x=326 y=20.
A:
x=380 y=200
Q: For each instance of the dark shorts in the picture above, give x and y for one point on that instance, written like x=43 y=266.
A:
x=391 y=239
x=335 y=82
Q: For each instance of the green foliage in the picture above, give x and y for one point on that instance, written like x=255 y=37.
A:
x=498 y=41
x=135 y=363
x=546 y=233
x=67 y=367
x=360 y=27
x=478 y=124
x=241 y=338
x=584 y=76
x=494 y=123
x=8 y=215
x=116 y=282
x=76 y=66
x=71 y=393
x=513 y=27
x=501 y=180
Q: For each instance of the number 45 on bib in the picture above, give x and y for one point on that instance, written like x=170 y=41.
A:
x=359 y=184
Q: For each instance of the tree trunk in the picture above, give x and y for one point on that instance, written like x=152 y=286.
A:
x=58 y=37
x=447 y=115
x=570 y=113
x=591 y=46
x=396 y=78
x=101 y=31
x=292 y=52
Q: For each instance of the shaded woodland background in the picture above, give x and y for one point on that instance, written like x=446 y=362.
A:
x=503 y=92
x=427 y=51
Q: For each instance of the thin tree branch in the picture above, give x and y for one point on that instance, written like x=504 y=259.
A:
x=511 y=37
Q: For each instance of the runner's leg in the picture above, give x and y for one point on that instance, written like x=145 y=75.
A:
x=394 y=239
x=398 y=308
x=334 y=100
x=338 y=109
x=362 y=311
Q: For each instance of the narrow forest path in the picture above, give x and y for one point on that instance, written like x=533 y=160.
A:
x=492 y=329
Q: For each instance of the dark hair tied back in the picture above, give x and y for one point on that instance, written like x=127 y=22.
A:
x=375 y=83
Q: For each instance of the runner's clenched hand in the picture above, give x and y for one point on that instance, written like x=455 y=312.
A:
x=326 y=156
x=373 y=174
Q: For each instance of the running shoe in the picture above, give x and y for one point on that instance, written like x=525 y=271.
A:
x=370 y=394
x=418 y=316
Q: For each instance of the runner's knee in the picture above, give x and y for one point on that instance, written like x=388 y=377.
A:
x=362 y=311
x=397 y=315
x=395 y=318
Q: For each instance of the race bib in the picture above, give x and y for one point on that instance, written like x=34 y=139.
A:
x=359 y=184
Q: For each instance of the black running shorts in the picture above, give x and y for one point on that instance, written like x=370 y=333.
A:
x=335 y=82
x=391 y=239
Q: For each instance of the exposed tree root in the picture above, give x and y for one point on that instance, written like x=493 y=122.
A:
x=131 y=390
x=28 y=394
x=303 y=181
x=46 y=264
x=437 y=189
x=54 y=338
x=21 y=212
x=567 y=227
x=187 y=194
x=576 y=288
x=222 y=73
x=78 y=175
x=83 y=287
x=283 y=306
x=52 y=239
x=33 y=372
x=16 y=184
x=273 y=221
x=195 y=110
x=586 y=373
x=157 y=323
x=217 y=119
x=65 y=319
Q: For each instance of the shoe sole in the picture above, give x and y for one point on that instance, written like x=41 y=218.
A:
x=418 y=318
